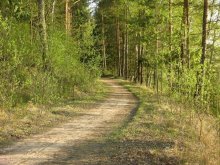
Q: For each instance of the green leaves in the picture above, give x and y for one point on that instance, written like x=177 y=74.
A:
x=72 y=60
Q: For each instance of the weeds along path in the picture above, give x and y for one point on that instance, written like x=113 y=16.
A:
x=97 y=122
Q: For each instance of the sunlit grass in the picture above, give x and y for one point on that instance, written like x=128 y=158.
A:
x=23 y=121
x=155 y=122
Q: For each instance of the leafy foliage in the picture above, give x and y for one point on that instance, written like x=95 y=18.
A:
x=73 y=61
x=164 y=50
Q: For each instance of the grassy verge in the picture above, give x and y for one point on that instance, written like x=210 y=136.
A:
x=30 y=119
x=158 y=134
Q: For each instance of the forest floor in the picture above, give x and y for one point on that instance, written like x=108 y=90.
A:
x=122 y=129
x=53 y=147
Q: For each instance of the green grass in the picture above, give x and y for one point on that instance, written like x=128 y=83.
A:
x=157 y=135
x=154 y=134
x=21 y=122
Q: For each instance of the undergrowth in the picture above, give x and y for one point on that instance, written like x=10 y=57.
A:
x=20 y=122
x=159 y=134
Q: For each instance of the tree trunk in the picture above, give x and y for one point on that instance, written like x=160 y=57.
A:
x=124 y=54
x=43 y=32
x=126 y=43
x=185 y=35
x=103 y=45
x=170 y=44
x=127 y=52
x=118 y=47
x=201 y=74
x=141 y=64
x=53 y=10
x=156 y=83
x=139 y=57
x=68 y=17
x=214 y=40
x=31 y=27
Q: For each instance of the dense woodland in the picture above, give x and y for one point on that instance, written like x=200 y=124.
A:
x=53 y=54
x=47 y=51
x=49 y=48
x=171 y=46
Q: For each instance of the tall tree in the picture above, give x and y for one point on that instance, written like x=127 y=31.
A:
x=201 y=74
x=53 y=10
x=118 y=43
x=68 y=17
x=162 y=43
x=186 y=32
x=104 y=65
x=43 y=33
x=170 y=44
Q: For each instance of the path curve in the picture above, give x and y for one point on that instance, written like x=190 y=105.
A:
x=96 y=122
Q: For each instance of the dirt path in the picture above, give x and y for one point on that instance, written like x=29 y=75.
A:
x=99 y=121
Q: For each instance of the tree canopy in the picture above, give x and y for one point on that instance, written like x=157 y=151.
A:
x=172 y=46
x=49 y=47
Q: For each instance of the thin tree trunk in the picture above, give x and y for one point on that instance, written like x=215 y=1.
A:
x=127 y=52
x=201 y=74
x=68 y=17
x=136 y=64
x=118 y=47
x=185 y=35
x=188 y=40
x=126 y=43
x=31 y=28
x=139 y=58
x=170 y=43
x=141 y=64
x=186 y=31
x=103 y=45
x=53 y=10
x=124 y=54
x=43 y=32
x=161 y=87
x=214 y=35
x=156 y=69
x=148 y=76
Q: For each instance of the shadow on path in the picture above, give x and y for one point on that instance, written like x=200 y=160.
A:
x=94 y=152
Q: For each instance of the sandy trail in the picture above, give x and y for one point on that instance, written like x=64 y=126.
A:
x=97 y=122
